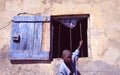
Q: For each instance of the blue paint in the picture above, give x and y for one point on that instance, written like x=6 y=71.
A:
x=28 y=55
x=29 y=47
x=30 y=18
x=14 y=31
x=38 y=36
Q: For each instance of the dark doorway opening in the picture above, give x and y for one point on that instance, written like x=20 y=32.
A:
x=68 y=38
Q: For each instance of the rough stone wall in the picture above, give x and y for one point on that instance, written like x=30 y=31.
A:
x=103 y=35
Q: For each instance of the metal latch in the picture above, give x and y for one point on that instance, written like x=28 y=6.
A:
x=16 y=38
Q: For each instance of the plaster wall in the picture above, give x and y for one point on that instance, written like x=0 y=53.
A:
x=103 y=35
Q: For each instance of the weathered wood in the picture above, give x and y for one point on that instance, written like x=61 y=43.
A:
x=30 y=37
x=38 y=36
x=14 y=31
x=46 y=37
x=30 y=19
x=23 y=36
x=28 y=55
x=30 y=45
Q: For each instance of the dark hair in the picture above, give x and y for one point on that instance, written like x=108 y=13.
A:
x=66 y=52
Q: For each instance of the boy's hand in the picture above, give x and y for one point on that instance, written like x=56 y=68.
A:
x=80 y=43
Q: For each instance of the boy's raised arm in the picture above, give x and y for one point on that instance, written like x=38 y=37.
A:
x=80 y=44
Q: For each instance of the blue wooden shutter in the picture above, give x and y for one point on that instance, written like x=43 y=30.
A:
x=26 y=38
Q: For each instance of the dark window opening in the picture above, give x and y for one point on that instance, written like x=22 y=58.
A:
x=66 y=37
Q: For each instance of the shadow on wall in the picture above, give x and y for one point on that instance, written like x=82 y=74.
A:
x=92 y=68
x=5 y=47
x=98 y=68
x=4 y=52
x=4 y=57
x=29 y=61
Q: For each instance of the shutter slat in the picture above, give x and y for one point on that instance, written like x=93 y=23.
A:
x=38 y=36
x=30 y=36
x=14 y=31
x=23 y=36
x=28 y=55
x=30 y=19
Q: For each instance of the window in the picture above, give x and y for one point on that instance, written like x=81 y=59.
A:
x=67 y=31
x=27 y=37
x=44 y=38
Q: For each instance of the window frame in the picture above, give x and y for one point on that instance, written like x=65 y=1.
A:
x=75 y=15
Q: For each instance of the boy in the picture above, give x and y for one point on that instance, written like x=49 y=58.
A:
x=68 y=66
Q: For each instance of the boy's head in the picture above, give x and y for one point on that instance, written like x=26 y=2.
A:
x=66 y=55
